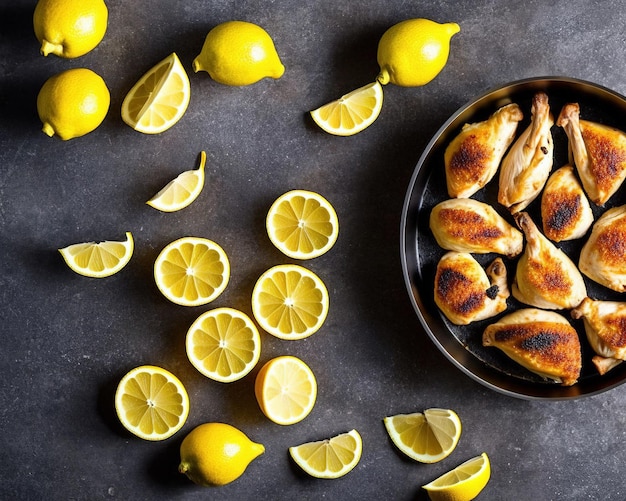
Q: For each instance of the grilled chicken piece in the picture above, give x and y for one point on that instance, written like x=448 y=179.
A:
x=467 y=225
x=542 y=341
x=545 y=276
x=605 y=326
x=528 y=163
x=603 y=257
x=565 y=210
x=465 y=292
x=473 y=157
x=598 y=151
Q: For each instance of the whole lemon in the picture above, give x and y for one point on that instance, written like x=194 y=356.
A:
x=239 y=53
x=72 y=103
x=69 y=28
x=413 y=52
x=216 y=454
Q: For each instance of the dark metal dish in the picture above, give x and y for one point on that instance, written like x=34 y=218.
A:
x=462 y=345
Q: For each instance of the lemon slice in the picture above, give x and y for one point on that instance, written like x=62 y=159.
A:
x=463 y=483
x=151 y=402
x=351 y=113
x=427 y=437
x=286 y=389
x=99 y=259
x=302 y=224
x=181 y=191
x=290 y=302
x=330 y=458
x=159 y=99
x=223 y=344
x=192 y=271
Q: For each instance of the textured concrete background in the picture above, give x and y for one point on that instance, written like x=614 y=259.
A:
x=67 y=340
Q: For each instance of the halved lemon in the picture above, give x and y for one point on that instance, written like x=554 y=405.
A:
x=192 y=271
x=223 y=344
x=463 y=483
x=99 y=259
x=351 y=113
x=151 y=402
x=181 y=191
x=159 y=98
x=427 y=437
x=286 y=389
x=302 y=224
x=330 y=458
x=290 y=302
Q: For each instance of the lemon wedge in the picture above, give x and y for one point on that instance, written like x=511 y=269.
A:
x=351 y=113
x=290 y=302
x=463 y=483
x=99 y=259
x=151 y=403
x=302 y=224
x=159 y=98
x=330 y=458
x=286 y=390
x=192 y=271
x=427 y=437
x=181 y=191
x=223 y=344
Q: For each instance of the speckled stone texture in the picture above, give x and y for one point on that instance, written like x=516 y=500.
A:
x=67 y=340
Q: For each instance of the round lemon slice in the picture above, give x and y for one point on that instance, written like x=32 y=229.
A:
x=302 y=224
x=330 y=458
x=151 y=402
x=99 y=259
x=290 y=302
x=351 y=113
x=427 y=437
x=181 y=191
x=463 y=483
x=159 y=98
x=223 y=344
x=192 y=271
x=286 y=389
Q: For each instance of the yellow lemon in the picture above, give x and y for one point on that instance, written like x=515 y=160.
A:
x=426 y=437
x=351 y=113
x=151 y=403
x=223 y=344
x=159 y=99
x=239 y=53
x=181 y=191
x=192 y=271
x=216 y=454
x=463 y=483
x=329 y=458
x=286 y=390
x=69 y=28
x=413 y=52
x=99 y=259
x=290 y=302
x=73 y=103
x=302 y=224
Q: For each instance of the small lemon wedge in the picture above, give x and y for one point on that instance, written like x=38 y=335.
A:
x=159 y=99
x=426 y=437
x=351 y=113
x=223 y=344
x=181 y=191
x=99 y=259
x=330 y=458
x=463 y=483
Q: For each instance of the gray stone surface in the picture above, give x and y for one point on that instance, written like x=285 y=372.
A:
x=67 y=340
